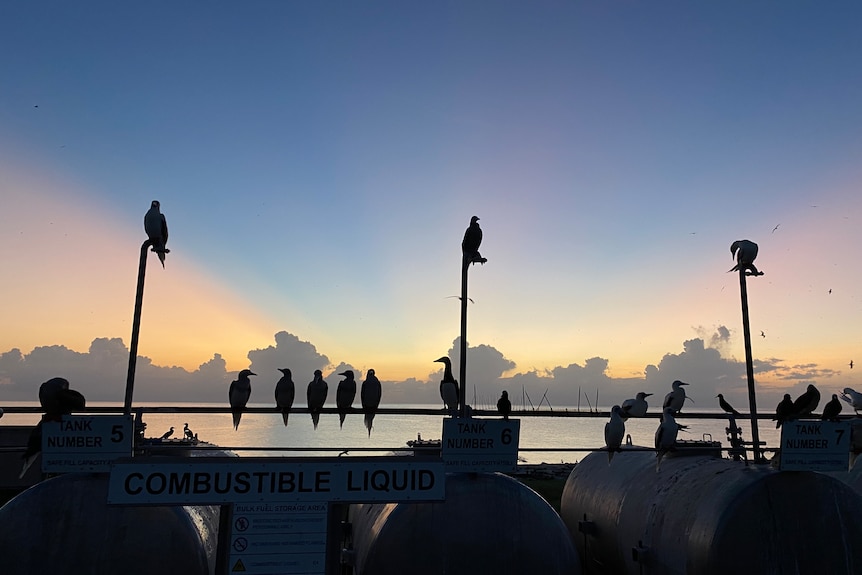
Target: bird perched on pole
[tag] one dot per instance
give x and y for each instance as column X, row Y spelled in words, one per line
column 57, row 400
column 745, row 252
column 726, row 406
column 285, row 392
column 449, row 392
column 471, row 242
column 636, row 407
column 157, row 230
column 854, row 398
column 665, row 435
column 615, row 430
column 345, row 394
column 370, row 395
column 316, row 395
column 784, row 411
column 831, row 409
column 504, row 405
column 676, row 398
column 806, row 403
column 238, row 394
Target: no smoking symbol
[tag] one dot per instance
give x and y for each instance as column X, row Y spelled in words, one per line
column 241, row 524
column 240, row 544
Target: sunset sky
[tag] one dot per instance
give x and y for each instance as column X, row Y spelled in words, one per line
column 318, row 164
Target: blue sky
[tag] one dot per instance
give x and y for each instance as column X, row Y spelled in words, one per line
column 318, row 164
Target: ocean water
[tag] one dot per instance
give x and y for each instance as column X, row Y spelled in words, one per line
column 542, row 438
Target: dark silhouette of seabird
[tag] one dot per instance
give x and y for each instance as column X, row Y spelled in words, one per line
column 504, row 406
column 676, row 398
column 806, row 403
column 238, row 394
column 853, row 397
column 157, row 230
column 285, row 393
column 762, row 334
column 851, row 364
column 665, row 435
column 726, row 406
column 831, row 409
column 344, row 395
column 167, row 434
column 615, row 431
column 187, row 433
column 784, row 411
column 316, row 396
column 636, row 407
column 370, row 395
column 57, row 400
column 471, row 242
column 449, row 392
column 745, row 252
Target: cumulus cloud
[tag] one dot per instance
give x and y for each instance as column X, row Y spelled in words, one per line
column 301, row 357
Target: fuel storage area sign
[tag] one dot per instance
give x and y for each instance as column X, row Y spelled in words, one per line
column 224, row 480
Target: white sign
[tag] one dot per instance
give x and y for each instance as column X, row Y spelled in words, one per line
column 480, row 444
column 218, row 480
column 278, row 538
column 815, row 446
column 85, row 442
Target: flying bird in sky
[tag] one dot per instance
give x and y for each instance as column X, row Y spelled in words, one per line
column 345, row 394
column 285, row 392
column 726, row 406
column 504, row 405
column 316, row 396
column 745, row 252
column 851, row 364
column 449, row 392
column 471, row 242
column 675, row 398
column 238, row 394
column 157, row 230
column 370, row 396
column 615, row 430
column 636, row 407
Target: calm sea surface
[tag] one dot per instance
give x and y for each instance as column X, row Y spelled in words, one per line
column 558, row 439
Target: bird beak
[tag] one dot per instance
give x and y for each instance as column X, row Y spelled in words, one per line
column 647, row 394
column 683, row 383
column 252, row 373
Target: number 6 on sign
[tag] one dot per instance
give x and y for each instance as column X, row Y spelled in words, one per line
column 480, row 444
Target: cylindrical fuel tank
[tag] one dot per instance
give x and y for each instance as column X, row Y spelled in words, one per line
column 488, row 523
column 64, row 525
column 706, row 515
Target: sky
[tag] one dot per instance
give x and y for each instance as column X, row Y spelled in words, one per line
column 318, row 163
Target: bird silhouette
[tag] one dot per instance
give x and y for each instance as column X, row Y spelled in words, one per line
column 345, row 394
column 853, row 397
column 157, row 230
column 615, row 430
column 471, row 242
column 285, row 392
column 745, row 252
column 726, row 406
column 449, row 391
column 238, row 394
column 636, row 407
column 167, row 434
column 851, row 364
column 57, row 400
column 316, row 396
column 187, row 433
column 784, row 410
column 370, row 395
column 504, row 406
column 831, row 409
column 806, row 403
column 665, row 435
column 675, row 398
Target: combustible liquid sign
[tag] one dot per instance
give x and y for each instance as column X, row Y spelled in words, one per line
column 284, row 538
column 85, row 443
column 480, row 444
column 815, row 446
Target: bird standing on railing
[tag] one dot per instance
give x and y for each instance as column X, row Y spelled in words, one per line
column 504, row 405
column 636, row 407
column 665, row 435
column 471, row 242
column 187, row 433
column 806, row 403
column 449, row 392
column 344, row 395
column 167, row 434
column 831, row 409
column 238, row 395
column 676, row 398
column 316, row 396
column 784, row 411
column 370, row 396
column 56, row 400
column 157, row 230
column 285, row 392
column 615, row 431
column 726, row 406
column 853, row 397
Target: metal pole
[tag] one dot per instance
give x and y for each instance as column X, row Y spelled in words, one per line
column 462, row 360
column 749, row 366
column 136, row 327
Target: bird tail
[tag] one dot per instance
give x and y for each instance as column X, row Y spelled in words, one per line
column 161, row 254
column 315, row 419
column 610, row 455
column 658, row 456
column 236, row 417
column 369, row 419
column 341, row 417
column 284, row 414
